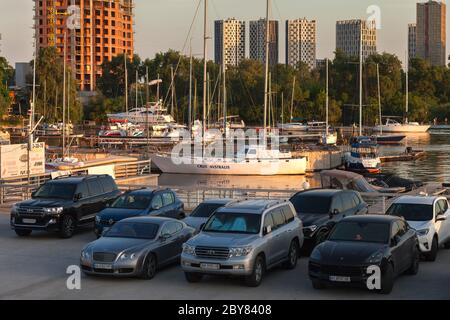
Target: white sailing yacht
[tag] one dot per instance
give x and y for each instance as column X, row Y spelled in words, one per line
column 251, row 160
column 393, row 126
column 363, row 156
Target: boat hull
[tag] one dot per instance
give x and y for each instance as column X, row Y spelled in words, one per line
column 402, row 128
column 390, row 139
column 362, row 165
column 295, row 166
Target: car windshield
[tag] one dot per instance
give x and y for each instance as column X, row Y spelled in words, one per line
column 132, row 201
column 304, row 203
column 234, row 223
column 411, row 212
column 56, row 190
column 205, row 210
column 361, row 232
column 133, row 230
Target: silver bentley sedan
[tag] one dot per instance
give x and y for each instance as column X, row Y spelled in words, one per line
column 136, row 247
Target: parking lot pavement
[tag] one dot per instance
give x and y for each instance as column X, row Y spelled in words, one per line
column 35, row 268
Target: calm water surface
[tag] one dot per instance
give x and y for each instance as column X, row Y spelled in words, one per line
column 434, row 167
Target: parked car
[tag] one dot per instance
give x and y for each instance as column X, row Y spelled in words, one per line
column 142, row 202
column 63, row 204
column 200, row 215
column 430, row 217
column 357, row 242
column 136, row 247
column 246, row 239
column 320, row 209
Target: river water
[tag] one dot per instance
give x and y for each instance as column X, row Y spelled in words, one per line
column 434, row 167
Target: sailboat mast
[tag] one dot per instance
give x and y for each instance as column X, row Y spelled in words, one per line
column 126, row 81
column 266, row 76
column 292, row 99
column 172, row 92
column 205, row 67
column 360, row 78
column 379, row 99
column 137, row 97
column 224, row 72
column 190, row 89
column 407, row 93
column 64, row 98
column 326, row 99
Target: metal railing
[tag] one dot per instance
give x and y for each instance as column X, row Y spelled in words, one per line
column 19, row 189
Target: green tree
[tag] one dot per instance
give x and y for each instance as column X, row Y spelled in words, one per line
column 50, row 87
column 6, row 76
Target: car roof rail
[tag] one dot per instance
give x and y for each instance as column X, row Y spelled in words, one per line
column 273, row 203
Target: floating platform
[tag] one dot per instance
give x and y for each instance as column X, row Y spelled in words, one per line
column 407, row 156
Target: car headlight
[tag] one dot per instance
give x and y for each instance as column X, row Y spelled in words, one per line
column 127, row 256
column 188, row 249
column 56, row 210
column 85, row 255
column 240, row 252
column 423, row 232
column 14, row 209
column 315, row 255
column 311, row 228
column 375, row 258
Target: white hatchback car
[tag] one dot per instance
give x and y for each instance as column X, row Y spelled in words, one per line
column 430, row 217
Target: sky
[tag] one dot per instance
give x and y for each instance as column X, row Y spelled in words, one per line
column 164, row 24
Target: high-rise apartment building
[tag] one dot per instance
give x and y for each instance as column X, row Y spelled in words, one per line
column 348, row 37
column 431, row 32
column 229, row 40
column 412, row 38
column 105, row 30
column 301, row 42
column 258, row 41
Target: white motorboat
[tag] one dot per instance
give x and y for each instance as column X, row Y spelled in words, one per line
column 233, row 122
column 293, row 127
column 155, row 114
column 393, row 126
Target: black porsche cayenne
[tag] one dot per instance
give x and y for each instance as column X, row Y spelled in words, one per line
column 358, row 245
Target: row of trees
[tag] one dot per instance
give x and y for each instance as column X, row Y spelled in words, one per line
column 305, row 98
column 429, row 88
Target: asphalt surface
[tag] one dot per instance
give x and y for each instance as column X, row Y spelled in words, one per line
column 35, row 268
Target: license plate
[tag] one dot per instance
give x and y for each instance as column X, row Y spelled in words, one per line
column 339, row 279
column 29, row 221
column 103, row 266
column 210, row 266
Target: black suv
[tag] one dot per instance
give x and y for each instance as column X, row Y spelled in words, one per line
column 320, row 209
column 63, row 204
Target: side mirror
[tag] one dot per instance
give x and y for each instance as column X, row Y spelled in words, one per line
column 201, row 226
column 267, row 230
column 441, row 218
column 155, row 207
column 333, row 213
column 105, row 230
column 164, row 237
column 78, row 196
column 394, row 241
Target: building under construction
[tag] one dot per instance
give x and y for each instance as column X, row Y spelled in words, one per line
column 95, row 31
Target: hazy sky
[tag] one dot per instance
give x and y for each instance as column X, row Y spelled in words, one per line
column 164, row 24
